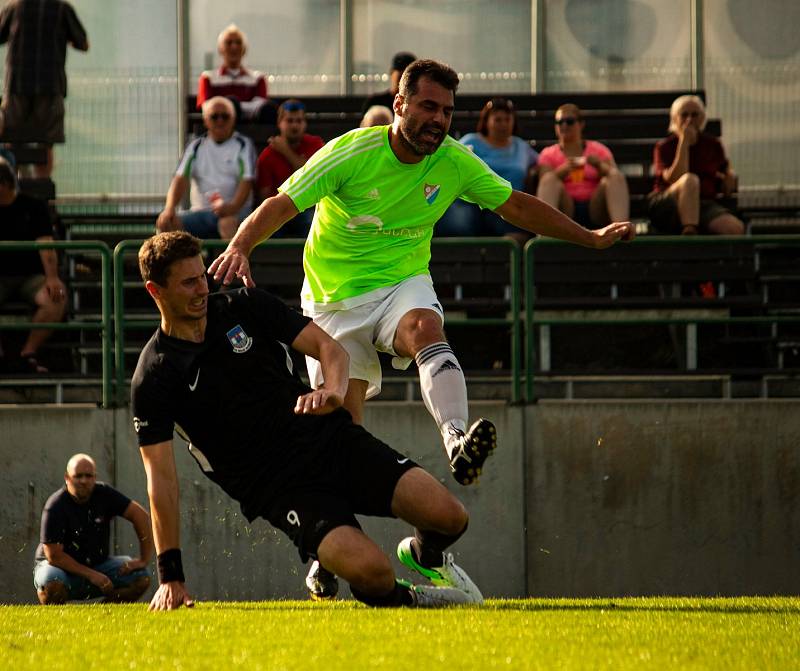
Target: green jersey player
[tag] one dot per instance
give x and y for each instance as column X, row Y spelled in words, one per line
column 379, row 191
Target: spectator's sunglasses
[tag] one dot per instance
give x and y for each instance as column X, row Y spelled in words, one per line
column 220, row 116
column 293, row 107
column 566, row 121
column 689, row 115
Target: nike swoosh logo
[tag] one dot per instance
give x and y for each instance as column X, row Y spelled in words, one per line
column 402, row 461
column 192, row 387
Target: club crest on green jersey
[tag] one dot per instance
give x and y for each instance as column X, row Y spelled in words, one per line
column 431, row 191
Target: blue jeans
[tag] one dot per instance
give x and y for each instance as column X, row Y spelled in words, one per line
column 80, row 588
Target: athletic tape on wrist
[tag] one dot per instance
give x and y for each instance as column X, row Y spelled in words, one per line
column 170, row 566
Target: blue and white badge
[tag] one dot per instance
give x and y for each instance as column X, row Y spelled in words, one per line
column 431, row 191
column 239, row 339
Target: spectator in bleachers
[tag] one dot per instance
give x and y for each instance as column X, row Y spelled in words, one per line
column 511, row 157
column 691, row 171
column 30, row 275
column 37, row 32
column 246, row 88
column 287, row 152
column 400, row 61
column 219, row 168
column 580, row 177
column 377, row 115
column 73, row 560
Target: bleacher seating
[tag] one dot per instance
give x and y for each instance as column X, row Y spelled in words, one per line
column 629, row 123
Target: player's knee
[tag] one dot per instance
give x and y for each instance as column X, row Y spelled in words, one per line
column 455, row 518
column 53, row 593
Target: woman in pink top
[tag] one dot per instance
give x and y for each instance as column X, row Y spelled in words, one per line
column 580, row 177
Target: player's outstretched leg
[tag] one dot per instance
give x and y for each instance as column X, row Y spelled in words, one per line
column 321, row 583
column 443, row 573
column 444, row 391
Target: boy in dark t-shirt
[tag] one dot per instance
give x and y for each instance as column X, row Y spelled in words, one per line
column 72, row 560
column 219, row 372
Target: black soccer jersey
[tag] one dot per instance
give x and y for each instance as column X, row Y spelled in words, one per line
column 233, row 396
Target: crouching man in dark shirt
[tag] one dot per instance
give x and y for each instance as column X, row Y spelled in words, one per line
column 218, row 370
column 72, row 560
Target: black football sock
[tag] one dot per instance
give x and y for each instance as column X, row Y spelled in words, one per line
column 429, row 546
column 399, row 596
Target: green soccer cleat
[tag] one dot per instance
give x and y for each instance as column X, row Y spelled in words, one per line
column 449, row 574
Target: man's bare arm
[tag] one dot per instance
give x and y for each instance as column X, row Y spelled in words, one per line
column 262, row 223
column 55, row 555
column 335, row 362
column 140, row 520
column 534, row 215
column 162, row 489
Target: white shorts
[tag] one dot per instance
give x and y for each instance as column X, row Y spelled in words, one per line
column 369, row 328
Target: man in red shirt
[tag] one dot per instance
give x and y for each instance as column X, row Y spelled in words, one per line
column 287, row 152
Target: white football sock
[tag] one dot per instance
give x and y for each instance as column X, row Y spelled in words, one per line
column 444, row 390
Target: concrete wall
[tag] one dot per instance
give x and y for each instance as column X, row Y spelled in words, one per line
column 582, row 498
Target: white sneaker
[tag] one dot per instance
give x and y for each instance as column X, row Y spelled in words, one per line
column 428, row 596
column 321, row 583
column 449, row 574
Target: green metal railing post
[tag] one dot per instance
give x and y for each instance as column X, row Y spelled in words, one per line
column 104, row 325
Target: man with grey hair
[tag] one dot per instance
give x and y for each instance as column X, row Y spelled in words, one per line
column 73, row 560
column 219, row 168
column 246, row 88
column 29, row 275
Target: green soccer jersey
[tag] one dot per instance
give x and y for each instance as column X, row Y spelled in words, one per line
column 375, row 215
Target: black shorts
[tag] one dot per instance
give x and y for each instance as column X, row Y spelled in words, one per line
column 361, row 479
column 662, row 209
column 35, row 118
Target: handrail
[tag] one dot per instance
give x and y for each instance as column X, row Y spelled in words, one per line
column 531, row 320
column 121, row 323
column 104, row 325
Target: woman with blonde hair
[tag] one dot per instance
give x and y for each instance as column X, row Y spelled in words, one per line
column 691, row 170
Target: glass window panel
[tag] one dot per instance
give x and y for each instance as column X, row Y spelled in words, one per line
column 121, row 107
column 295, row 43
column 616, row 45
column 488, row 42
column 752, row 75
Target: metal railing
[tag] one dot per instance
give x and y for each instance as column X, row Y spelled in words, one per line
column 513, row 320
column 104, row 325
column 690, row 321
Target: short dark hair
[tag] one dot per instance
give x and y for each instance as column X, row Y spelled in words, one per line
column 7, row 174
column 441, row 73
column 496, row 105
column 158, row 253
column 401, row 60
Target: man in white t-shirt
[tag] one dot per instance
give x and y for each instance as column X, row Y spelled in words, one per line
column 219, row 166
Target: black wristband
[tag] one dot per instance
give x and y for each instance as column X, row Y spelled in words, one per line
column 170, row 567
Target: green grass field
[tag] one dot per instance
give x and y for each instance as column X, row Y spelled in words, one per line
column 653, row 633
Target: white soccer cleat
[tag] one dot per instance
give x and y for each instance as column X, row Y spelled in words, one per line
column 428, row 596
column 321, row 583
column 449, row 574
